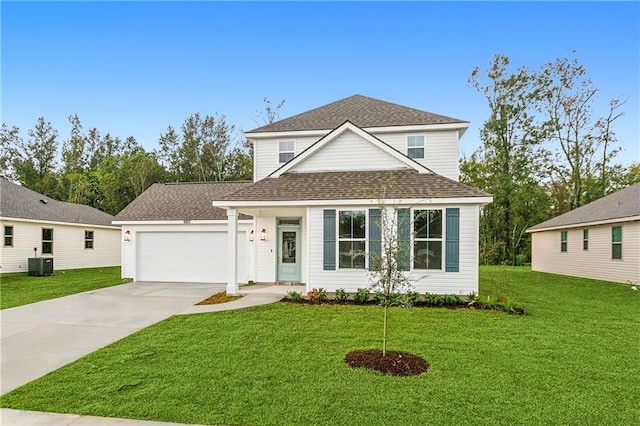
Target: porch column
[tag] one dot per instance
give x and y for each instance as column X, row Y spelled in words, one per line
column 232, row 250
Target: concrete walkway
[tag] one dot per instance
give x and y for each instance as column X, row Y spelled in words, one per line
column 42, row 337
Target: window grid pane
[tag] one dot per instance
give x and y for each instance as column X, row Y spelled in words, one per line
column 616, row 234
column 47, row 241
column 415, row 152
column 427, row 234
column 585, row 239
column 352, row 243
column 8, row 236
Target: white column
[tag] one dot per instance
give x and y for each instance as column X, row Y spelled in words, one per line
column 232, row 250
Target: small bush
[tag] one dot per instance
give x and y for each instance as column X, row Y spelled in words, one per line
column 322, row 295
column 433, row 299
column 378, row 297
column 411, row 298
column 361, row 296
column 341, row 295
column 295, row 296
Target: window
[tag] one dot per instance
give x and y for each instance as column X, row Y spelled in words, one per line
column 616, row 242
column 427, row 239
column 286, row 151
column 585, row 239
column 351, row 239
column 88, row 239
column 415, row 146
column 47, row 241
column 8, row 236
column 563, row 240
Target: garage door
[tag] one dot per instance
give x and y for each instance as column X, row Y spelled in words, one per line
column 198, row 257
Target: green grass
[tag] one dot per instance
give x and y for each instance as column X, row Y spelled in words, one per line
column 19, row 289
column 573, row 359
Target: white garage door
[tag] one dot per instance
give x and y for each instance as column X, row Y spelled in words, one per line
column 198, row 257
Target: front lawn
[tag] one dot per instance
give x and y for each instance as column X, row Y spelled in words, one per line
column 19, row 289
column 573, row 359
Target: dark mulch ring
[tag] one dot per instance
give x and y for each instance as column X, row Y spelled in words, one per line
column 394, row 363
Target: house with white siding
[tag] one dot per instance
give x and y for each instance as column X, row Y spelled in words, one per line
column 312, row 214
column 34, row 225
column 599, row 240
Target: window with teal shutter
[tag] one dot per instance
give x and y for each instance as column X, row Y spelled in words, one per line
column 375, row 238
column 404, row 239
column 329, row 252
column 452, row 245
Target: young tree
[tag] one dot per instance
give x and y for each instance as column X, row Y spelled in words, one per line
column 386, row 277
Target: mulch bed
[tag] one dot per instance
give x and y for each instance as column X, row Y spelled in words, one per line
column 219, row 298
column 394, row 363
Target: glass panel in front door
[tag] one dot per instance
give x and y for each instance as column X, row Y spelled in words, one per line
column 289, row 247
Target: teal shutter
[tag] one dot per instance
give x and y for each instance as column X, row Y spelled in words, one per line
column 404, row 239
column 375, row 238
column 329, row 256
column 452, row 250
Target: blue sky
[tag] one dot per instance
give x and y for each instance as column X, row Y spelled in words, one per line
column 134, row 68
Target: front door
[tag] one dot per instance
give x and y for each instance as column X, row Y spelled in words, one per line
column 288, row 253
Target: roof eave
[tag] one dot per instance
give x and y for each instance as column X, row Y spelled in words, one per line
column 584, row 224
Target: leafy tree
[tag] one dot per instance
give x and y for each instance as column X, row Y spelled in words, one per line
column 9, row 140
column 200, row 152
column 511, row 159
column 568, row 101
column 34, row 160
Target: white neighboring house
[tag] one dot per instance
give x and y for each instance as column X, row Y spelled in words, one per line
column 311, row 213
column 599, row 240
column 75, row 235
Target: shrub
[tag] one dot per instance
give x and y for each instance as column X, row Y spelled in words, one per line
column 295, row 296
column 411, row 298
column 433, row 299
column 378, row 297
column 361, row 296
column 322, row 295
column 341, row 295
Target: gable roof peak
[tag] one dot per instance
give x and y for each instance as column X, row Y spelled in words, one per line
column 362, row 111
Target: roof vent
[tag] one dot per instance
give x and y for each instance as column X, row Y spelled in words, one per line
column 43, row 201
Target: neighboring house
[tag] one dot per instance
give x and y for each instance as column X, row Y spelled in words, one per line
column 312, row 213
column 599, row 240
column 75, row 235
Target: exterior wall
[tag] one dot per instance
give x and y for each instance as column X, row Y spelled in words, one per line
column 441, row 152
column 68, row 246
column 265, row 153
column 129, row 248
column 593, row 263
column 463, row 282
column 266, row 252
column 349, row 152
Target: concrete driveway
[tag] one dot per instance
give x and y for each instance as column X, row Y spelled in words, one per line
column 44, row 336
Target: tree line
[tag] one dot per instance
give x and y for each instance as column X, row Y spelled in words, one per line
column 108, row 173
column 543, row 151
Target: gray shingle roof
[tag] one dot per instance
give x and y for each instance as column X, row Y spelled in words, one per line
column 180, row 201
column 353, row 185
column 621, row 204
column 361, row 111
column 22, row 203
